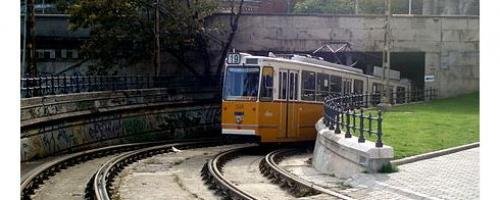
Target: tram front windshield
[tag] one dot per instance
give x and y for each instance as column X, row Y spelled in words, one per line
column 241, row 83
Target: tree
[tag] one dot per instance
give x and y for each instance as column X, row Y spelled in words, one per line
column 122, row 31
column 233, row 23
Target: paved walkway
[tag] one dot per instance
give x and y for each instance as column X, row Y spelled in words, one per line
column 453, row 176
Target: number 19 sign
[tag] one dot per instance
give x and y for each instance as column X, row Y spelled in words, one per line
column 233, row 58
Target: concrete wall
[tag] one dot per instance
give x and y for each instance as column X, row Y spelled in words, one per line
column 67, row 123
column 450, row 43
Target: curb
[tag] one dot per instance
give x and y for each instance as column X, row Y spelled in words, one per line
column 434, row 154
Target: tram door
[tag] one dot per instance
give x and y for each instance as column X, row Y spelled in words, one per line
column 289, row 108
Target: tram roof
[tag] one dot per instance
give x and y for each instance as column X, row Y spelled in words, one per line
column 333, row 66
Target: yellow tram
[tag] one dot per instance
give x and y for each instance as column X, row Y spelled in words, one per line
column 279, row 98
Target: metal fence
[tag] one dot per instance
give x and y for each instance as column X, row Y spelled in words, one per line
column 53, row 85
column 341, row 112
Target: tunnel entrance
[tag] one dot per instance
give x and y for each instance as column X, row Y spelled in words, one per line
column 410, row 64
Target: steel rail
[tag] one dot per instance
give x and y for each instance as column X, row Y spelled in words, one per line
column 213, row 176
column 297, row 186
column 100, row 184
column 34, row 178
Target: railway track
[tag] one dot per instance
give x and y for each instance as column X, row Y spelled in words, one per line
column 213, row 176
column 214, row 173
column 100, row 186
column 41, row 174
column 112, row 160
column 298, row 187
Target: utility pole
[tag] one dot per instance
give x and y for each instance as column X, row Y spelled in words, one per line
column 157, row 38
column 387, row 51
column 409, row 7
column 31, row 68
column 25, row 19
column 356, row 7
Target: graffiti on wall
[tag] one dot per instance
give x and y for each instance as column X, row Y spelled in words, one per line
column 68, row 136
column 50, row 106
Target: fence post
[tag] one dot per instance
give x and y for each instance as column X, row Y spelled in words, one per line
column 330, row 115
column 125, row 87
column 58, row 84
column 342, row 122
column 106, row 83
column 147, row 80
column 46, row 85
column 348, row 124
column 52, row 85
column 113, row 83
column 353, row 127
column 361, row 138
column 370, row 130
column 379, row 130
column 99, row 83
column 137, row 82
column 64, row 90
column 77, row 83
column 366, row 100
column 337, row 119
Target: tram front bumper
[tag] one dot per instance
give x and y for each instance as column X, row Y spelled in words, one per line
column 228, row 131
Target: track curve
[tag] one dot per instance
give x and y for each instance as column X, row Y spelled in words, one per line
column 298, row 187
column 100, row 185
column 212, row 175
column 36, row 177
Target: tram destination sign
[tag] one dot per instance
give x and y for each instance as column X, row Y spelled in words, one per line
column 233, row 58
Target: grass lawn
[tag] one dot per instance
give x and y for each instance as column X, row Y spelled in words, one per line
column 425, row 127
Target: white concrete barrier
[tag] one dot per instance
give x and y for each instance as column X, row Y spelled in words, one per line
column 343, row 157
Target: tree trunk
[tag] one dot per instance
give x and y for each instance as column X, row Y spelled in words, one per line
column 234, row 27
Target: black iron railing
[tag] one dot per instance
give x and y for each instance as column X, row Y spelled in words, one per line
column 346, row 113
column 53, row 85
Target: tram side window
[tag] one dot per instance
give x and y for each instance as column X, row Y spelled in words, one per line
column 283, row 84
column 335, row 85
column 322, row 86
column 358, row 87
column 266, row 89
column 308, row 85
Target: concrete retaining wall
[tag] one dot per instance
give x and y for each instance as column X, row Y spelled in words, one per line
column 60, row 124
column 344, row 157
column 450, row 43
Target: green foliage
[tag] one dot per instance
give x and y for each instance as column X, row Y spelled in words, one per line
column 325, row 6
column 122, row 31
column 372, row 7
column 348, row 6
column 388, row 168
